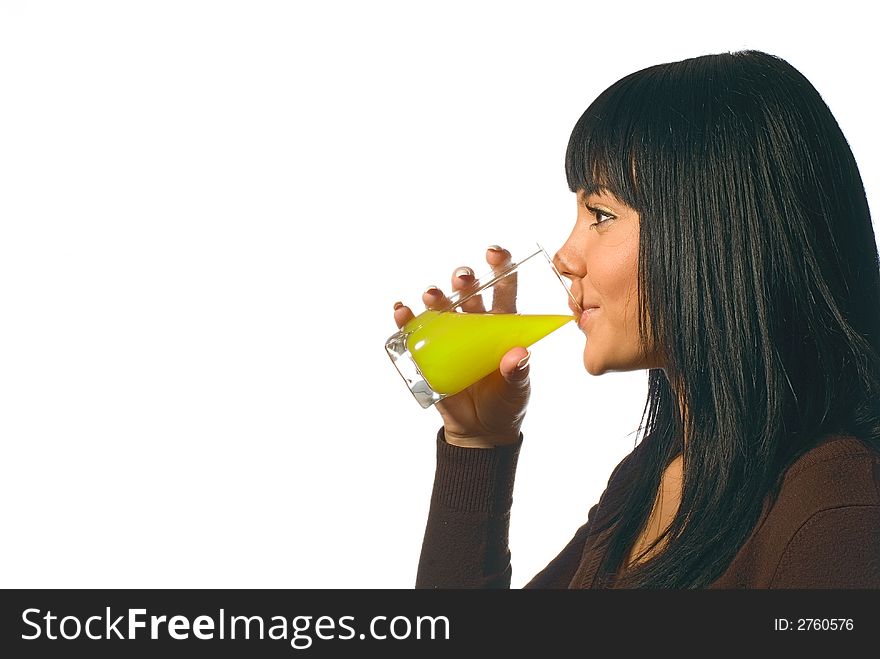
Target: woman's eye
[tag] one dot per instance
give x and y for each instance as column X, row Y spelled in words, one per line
column 601, row 216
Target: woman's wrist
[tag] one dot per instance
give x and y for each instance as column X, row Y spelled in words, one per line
column 486, row 441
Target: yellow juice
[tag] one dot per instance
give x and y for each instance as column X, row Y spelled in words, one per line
column 453, row 350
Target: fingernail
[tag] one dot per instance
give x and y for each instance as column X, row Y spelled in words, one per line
column 432, row 289
column 495, row 248
column 522, row 363
column 397, row 305
column 464, row 272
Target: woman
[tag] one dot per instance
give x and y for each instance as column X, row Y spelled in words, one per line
column 723, row 241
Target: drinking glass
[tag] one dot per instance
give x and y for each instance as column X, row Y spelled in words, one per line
column 440, row 352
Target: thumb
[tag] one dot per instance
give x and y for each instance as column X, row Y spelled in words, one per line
column 515, row 366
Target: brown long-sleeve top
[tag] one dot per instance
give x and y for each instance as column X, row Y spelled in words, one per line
column 823, row 530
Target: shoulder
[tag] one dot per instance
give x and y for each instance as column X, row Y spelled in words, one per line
column 840, row 470
column 831, row 496
column 823, row 528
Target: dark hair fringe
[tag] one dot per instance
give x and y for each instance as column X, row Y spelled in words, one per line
column 759, row 267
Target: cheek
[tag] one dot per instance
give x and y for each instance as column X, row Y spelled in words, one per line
column 615, row 278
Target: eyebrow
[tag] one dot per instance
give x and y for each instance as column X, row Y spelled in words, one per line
column 583, row 197
column 582, row 193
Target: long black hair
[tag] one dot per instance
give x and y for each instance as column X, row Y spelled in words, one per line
column 758, row 281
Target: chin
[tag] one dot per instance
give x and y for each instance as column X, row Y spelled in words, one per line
column 601, row 367
column 592, row 367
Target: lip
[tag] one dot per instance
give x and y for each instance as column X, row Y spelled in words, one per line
column 585, row 317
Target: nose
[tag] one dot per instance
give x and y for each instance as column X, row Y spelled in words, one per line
column 560, row 265
column 564, row 266
column 567, row 264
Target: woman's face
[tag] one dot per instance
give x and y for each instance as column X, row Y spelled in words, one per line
column 601, row 258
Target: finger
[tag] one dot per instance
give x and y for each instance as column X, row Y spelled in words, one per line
column 462, row 281
column 434, row 298
column 402, row 314
column 515, row 365
column 497, row 256
column 504, row 291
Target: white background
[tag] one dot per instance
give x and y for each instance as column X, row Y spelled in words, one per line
column 208, row 210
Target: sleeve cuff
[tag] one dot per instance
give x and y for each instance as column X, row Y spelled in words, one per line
column 475, row 479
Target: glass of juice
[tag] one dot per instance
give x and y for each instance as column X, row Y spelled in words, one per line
column 440, row 352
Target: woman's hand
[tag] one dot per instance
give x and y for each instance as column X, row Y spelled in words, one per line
column 490, row 412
